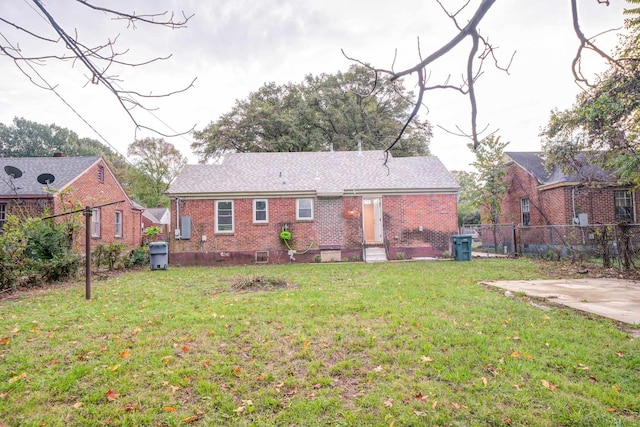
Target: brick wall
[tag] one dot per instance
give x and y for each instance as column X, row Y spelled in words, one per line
column 420, row 220
column 416, row 220
column 89, row 190
column 556, row 205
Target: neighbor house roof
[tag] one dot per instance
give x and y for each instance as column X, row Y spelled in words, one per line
column 64, row 170
column 533, row 162
column 319, row 173
column 157, row 215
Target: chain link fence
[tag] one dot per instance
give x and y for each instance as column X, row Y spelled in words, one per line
column 614, row 245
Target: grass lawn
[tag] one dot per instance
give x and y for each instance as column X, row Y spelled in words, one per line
column 395, row 344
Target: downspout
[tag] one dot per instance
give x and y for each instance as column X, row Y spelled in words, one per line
column 573, row 204
column 177, row 218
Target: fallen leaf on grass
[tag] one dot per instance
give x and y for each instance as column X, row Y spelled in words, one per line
column 115, row 367
column 112, row 395
column 548, row 385
column 135, row 331
column 190, row 419
column 378, row 368
column 515, row 354
column 131, row 407
column 455, row 405
column 4, row 340
column 206, row 363
column 18, row 377
column 619, row 354
column 484, row 381
column 185, row 349
column 426, row 359
column 125, row 354
column 388, row 403
column 4, row 395
column 434, row 404
column 239, row 410
column 169, row 409
column 583, row 367
column 77, row 405
column 616, row 388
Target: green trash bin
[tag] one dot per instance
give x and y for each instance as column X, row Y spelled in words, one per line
column 461, row 248
column 159, row 255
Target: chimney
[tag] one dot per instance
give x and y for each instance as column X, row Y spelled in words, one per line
column 59, row 154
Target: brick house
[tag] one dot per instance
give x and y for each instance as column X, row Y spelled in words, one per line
column 39, row 186
column 159, row 217
column 335, row 205
column 536, row 196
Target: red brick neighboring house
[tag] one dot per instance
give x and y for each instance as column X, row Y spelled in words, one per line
column 35, row 186
column 159, row 217
column 539, row 197
column 336, row 205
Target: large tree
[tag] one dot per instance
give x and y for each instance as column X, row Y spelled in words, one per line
column 156, row 163
column 604, row 122
column 330, row 110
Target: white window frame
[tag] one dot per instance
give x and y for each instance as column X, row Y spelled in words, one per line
column 3, row 214
column 525, row 208
column 299, row 208
column 217, row 218
column 627, row 196
column 95, row 222
column 118, row 224
column 256, row 210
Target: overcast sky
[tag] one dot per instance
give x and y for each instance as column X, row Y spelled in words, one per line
column 233, row 47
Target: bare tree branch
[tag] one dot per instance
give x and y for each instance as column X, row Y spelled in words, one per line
column 97, row 60
column 475, row 62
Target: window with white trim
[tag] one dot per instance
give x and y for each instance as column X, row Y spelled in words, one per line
column 260, row 211
column 623, row 202
column 118, row 224
column 3, row 214
column 95, row 222
column 224, row 216
column 526, row 213
column 304, row 209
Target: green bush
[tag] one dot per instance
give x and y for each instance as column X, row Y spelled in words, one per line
column 138, row 257
column 35, row 248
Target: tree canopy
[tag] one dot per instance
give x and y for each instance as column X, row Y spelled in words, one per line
column 604, row 122
column 491, row 178
column 330, row 110
column 156, row 163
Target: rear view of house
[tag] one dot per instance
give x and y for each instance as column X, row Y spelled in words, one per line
column 281, row 207
column 37, row 186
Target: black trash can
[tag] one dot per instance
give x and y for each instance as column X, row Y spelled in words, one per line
column 159, row 255
column 461, row 248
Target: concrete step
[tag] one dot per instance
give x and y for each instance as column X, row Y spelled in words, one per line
column 375, row 255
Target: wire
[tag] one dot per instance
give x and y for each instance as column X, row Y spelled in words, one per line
column 52, row 88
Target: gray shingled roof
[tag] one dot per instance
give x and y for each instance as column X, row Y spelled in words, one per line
column 533, row 162
column 319, row 172
column 64, row 169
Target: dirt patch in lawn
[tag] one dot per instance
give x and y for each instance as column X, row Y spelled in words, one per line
column 261, row 284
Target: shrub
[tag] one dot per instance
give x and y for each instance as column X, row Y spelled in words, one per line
column 138, row 257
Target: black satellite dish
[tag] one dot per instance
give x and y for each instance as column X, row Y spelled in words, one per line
column 13, row 171
column 46, row 178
